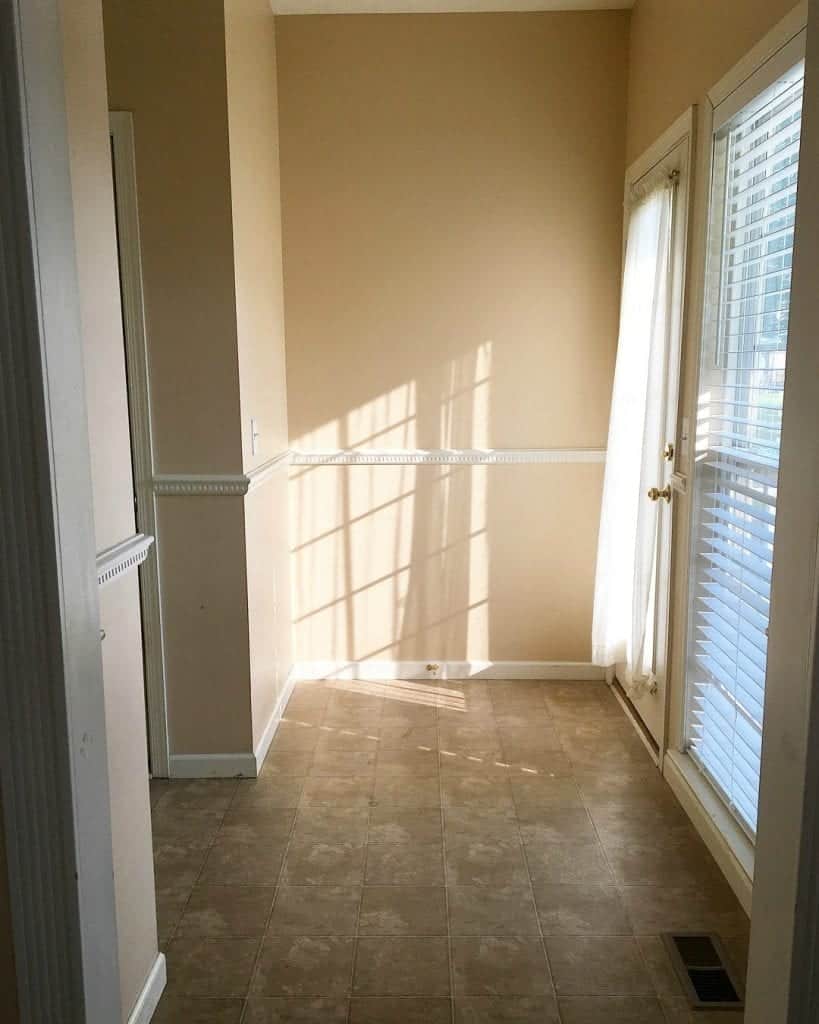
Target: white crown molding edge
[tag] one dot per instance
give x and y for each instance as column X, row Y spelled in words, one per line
column 230, row 766
column 376, row 671
column 444, row 456
column 122, row 557
column 151, row 992
column 261, row 474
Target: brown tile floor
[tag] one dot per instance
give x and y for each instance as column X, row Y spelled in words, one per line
column 435, row 852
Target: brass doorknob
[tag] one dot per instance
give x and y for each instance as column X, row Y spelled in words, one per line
column 655, row 493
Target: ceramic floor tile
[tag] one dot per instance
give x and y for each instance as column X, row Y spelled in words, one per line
column 595, row 966
column 389, row 825
column 303, row 965
column 190, row 1010
column 499, row 966
column 489, row 910
column 343, row 763
column 589, row 909
column 559, row 825
column 654, row 909
column 243, row 856
column 506, row 1010
column 495, row 862
column 332, row 824
column 400, row 1010
column 224, row 911
column 218, row 968
column 405, row 864
column 389, row 966
column 424, row 792
column 315, row 910
column 403, row 910
column 349, row 791
column 612, row 1010
column 296, row 1010
column 465, row 823
column 316, row 862
column 551, row 862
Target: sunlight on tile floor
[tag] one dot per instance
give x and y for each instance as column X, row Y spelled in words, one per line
column 473, row 852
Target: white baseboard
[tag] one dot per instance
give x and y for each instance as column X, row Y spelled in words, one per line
column 378, row 670
column 266, row 738
column 151, row 992
column 213, row 766
column 727, row 843
column 231, row 766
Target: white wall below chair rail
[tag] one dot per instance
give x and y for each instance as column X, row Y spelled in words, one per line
column 122, row 557
column 375, row 671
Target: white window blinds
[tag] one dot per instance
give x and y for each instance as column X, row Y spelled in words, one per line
column 742, row 366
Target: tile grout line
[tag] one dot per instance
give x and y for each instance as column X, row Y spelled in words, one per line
column 450, row 962
column 210, row 845
column 279, row 877
column 543, row 946
column 357, row 924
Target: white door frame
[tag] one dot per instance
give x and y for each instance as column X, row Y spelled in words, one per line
column 53, row 758
column 139, row 408
column 672, row 152
column 726, row 840
column 783, row 982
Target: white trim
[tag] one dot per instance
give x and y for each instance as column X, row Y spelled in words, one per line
column 201, row 485
column 261, row 474
column 779, row 36
column 444, row 456
column 728, row 844
column 151, row 992
column 122, row 557
column 230, row 766
column 139, row 411
column 53, row 754
column 681, row 131
column 213, row 766
column 266, row 738
column 373, row 670
column 441, row 6
column 232, row 485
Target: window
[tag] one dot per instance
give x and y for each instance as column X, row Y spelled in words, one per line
column 739, row 414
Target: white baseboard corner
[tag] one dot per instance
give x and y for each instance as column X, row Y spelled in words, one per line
column 234, row 766
column 266, row 738
column 375, row 671
column 151, row 993
column 727, row 843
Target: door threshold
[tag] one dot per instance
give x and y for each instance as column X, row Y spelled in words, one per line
column 633, row 716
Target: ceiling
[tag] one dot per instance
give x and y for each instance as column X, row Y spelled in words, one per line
column 437, row 6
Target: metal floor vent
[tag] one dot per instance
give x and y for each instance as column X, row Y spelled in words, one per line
column 704, row 971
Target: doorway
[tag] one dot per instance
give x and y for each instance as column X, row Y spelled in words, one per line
column 632, row 594
column 139, row 411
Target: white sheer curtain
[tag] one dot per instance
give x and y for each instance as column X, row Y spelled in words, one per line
column 623, row 626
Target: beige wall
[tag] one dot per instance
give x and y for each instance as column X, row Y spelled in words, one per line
column 94, row 226
column 452, row 208
column 680, row 50
column 166, row 63
column 204, row 607
column 200, row 80
column 253, row 119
